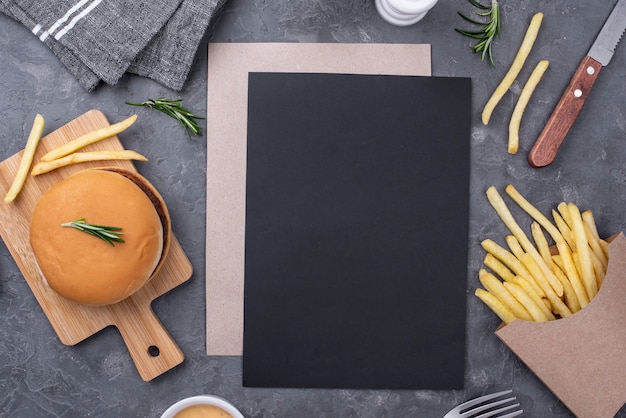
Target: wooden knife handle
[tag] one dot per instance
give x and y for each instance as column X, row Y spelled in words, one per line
column 565, row 113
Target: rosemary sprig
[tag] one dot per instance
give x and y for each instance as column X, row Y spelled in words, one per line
column 490, row 28
column 109, row 234
column 175, row 109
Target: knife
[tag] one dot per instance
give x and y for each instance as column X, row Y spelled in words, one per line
column 569, row 106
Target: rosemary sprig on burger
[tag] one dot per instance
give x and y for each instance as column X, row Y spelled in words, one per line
column 110, row 234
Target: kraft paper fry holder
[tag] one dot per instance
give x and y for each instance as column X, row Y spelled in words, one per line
column 582, row 358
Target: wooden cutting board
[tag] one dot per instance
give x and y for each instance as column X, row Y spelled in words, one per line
column 152, row 349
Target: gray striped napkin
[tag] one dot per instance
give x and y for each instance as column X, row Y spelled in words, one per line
column 100, row 40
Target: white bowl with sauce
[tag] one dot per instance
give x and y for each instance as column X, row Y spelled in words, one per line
column 202, row 406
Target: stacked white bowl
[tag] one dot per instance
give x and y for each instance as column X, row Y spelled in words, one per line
column 404, row 12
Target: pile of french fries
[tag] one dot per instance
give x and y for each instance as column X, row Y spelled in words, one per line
column 532, row 280
column 67, row 154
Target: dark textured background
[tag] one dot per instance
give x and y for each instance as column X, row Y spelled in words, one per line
column 39, row 376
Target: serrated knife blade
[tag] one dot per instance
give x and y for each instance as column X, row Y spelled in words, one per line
column 569, row 106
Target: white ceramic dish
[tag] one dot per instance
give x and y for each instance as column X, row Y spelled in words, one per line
column 201, row 400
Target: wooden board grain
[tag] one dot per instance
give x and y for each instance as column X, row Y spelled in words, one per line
column 152, row 349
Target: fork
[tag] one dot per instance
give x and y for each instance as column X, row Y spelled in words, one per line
column 487, row 406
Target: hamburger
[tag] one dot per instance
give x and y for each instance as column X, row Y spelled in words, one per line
column 79, row 266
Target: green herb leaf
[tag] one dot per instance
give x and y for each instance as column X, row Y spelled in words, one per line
column 109, row 234
column 490, row 28
column 174, row 109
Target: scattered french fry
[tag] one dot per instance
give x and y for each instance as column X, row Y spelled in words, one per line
column 578, row 260
column 27, row 159
column 81, row 157
column 522, row 102
column 89, row 138
column 516, row 66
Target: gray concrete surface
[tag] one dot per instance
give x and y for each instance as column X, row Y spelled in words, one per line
column 40, row 377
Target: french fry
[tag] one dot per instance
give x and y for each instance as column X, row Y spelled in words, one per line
column 598, row 268
column 526, row 301
column 534, row 213
column 498, row 267
column 596, row 248
column 557, row 304
column 564, row 229
column 556, row 258
column 579, row 262
column 591, row 223
column 514, row 246
column 511, row 262
column 562, row 244
column 582, row 249
column 569, row 295
column 81, row 157
column 27, row 159
column 570, row 270
column 503, row 211
column 564, row 211
column 89, row 138
column 593, row 238
column 522, row 102
column 605, row 247
column 516, row 66
column 541, row 242
column 503, row 312
column 496, row 288
column 543, row 303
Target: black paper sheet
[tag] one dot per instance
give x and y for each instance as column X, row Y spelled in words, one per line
column 356, row 231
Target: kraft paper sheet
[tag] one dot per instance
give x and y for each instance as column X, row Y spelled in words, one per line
column 228, row 68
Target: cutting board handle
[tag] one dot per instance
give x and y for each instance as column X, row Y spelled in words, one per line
column 152, row 349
